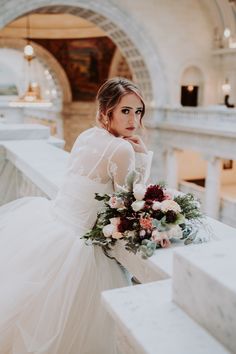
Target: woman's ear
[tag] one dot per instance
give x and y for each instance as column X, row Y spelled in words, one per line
column 105, row 119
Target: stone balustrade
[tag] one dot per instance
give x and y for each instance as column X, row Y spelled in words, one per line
column 212, row 117
column 227, row 210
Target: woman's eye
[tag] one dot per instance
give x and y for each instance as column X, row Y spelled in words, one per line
column 139, row 111
column 125, row 111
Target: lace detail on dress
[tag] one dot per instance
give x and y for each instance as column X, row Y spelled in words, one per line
column 97, row 179
column 112, row 169
column 143, row 164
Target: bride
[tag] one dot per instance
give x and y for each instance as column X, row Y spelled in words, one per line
column 51, row 282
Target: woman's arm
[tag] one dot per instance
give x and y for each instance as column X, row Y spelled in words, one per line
column 143, row 157
column 128, row 157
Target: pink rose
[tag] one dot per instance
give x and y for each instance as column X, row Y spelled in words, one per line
column 116, row 203
column 168, row 196
column 115, row 221
column 160, row 238
column 170, row 205
column 117, row 235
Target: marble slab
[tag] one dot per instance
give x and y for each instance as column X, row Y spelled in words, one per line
column 23, row 132
column 148, row 322
column 160, row 265
column 42, row 163
column 204, row 286
column 60, row 143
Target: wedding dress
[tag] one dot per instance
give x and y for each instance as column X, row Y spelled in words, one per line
column 51, row 282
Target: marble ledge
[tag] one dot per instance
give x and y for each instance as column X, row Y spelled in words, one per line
column 23, row 132
column 160, row 265
column 198, row 128
column 42, row 163
column 148, row 322
column 204, row 286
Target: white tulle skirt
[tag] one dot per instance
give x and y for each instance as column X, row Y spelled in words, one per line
column 50, row 285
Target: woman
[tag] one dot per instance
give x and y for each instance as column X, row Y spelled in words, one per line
column 51, row 281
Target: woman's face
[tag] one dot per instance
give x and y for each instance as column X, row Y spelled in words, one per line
column 126, row 116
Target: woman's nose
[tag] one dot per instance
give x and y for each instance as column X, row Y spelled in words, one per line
column 131, row 117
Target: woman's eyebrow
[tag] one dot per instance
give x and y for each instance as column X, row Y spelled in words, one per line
column 131, row 107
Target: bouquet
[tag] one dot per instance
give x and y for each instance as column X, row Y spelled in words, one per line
column 144, row 217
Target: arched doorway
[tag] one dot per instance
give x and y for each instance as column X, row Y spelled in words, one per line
column 124, row 31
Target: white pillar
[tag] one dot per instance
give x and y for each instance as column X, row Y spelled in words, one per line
column 60, row 125
column 212, row 186
column 172, row 168
column 159, row 163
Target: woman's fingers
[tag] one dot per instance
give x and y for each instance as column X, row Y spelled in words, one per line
column 137, row 143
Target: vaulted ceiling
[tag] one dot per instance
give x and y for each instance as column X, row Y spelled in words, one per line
column 52, row 26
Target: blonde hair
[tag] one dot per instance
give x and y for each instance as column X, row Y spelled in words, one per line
column 110, row 94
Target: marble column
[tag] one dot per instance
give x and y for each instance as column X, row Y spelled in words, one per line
column 172, row 168
column 212, row 186
column 158, row 171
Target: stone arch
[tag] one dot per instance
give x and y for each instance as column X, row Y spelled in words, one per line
column 56, row 70
column 135, row 44
column 117, row 64
column 192, row 75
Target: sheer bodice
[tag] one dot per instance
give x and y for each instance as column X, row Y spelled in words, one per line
column 99, row 162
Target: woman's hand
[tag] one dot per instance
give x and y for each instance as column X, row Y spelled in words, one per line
column 137, row 144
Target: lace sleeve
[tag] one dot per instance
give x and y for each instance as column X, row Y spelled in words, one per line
column 121, row 163
column 143, row 164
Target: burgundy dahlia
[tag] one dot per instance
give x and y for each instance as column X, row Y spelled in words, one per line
column 125, row 224
column 171, row 216
column 154, row 192
column 158, row 214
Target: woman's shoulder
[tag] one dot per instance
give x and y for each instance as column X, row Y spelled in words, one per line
column 101, row 137
column 122, row 149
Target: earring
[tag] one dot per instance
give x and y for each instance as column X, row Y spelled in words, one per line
column 106, row 123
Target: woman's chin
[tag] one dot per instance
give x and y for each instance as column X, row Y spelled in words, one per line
column 129, row 133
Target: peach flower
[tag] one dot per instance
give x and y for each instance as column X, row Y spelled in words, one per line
column 146, row 223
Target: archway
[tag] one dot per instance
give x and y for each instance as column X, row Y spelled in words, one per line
column 135, row 45
column 50, row 63
column 192, row 78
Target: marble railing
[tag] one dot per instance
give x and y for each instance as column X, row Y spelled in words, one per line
column 211, row 117
column 227, row 205
column 49, row 116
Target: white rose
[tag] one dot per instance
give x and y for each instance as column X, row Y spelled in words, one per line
column 175, row 231
column 108, row 230
column 170, row 205
column 156, row 206
column 138, row 205
column 139, row 191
